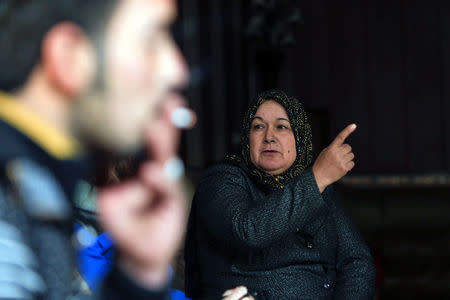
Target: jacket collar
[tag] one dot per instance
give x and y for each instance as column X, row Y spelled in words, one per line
column 53, row 141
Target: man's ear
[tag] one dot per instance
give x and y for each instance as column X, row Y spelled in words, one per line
column 68, row 58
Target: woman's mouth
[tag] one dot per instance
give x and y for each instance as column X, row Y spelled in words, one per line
column 270, row 151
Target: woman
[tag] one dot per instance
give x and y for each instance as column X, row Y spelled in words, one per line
column 267, row 220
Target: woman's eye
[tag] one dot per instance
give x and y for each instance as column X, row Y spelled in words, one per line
column 282, row 127
column 257, row 126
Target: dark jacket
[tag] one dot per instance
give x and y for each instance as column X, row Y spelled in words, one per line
column 291, row 243
column 39, row 172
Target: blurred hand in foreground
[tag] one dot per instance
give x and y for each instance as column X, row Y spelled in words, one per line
column 146, row 215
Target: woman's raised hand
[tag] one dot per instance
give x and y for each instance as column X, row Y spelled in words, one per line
column 334, row 161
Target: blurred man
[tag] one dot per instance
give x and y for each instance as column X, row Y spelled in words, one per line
column 80, row 75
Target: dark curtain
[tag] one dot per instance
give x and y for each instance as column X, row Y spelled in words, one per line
column 385, row 66
column 382, row 64
column 211, row 35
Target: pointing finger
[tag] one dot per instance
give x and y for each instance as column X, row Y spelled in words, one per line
column 340, row 139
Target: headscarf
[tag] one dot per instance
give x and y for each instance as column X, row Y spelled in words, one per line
column 302, row 133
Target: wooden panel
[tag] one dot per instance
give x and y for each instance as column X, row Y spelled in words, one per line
column 295, row 77
column 319, row 55
column 219, row 137
column 306, row 69
column 236, row 73
column 382, row 64
column 193, row 142
column 386, row 92
column 445, row 80
column 348, row 77
column 423, row 85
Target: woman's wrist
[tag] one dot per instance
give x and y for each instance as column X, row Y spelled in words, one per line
column 319, row 179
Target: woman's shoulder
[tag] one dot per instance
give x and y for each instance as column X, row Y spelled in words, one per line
column 220, row 179
column 224, row 170
column 223, row 175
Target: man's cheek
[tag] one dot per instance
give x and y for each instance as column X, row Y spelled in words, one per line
column 137, row 72
column 131, row 70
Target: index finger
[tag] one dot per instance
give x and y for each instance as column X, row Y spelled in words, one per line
column 340, row 138
column 162, row 135
column 162, row 141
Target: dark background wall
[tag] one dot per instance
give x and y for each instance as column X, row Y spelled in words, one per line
column 384, row 65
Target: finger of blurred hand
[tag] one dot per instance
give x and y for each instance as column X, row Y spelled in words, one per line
column 132, row 194
column 162, row 135
column 343, row 135
column 152, row 174
column 117, row 204
column 146, row 218
column 173, row 169
column 236, row 293
column 171, row 105
column 162, row 140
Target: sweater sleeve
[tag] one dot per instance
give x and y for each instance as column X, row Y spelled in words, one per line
column 233, row 211
column 117, row 285
column 355, row 268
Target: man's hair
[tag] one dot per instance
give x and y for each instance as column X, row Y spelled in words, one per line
column 24, row 23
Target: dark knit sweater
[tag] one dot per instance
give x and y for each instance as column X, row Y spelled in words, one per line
column 290, row 243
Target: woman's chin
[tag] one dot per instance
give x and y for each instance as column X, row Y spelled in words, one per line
column 272, row 169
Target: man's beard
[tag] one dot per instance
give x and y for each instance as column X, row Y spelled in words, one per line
column 112, row 160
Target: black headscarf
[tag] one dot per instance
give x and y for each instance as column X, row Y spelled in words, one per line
column 302, row 133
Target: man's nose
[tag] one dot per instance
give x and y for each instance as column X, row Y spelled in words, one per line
column 175, row 68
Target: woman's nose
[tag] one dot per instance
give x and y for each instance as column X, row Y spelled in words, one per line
column 269, row 137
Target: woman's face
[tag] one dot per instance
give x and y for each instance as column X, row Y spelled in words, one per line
column 272, row 142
